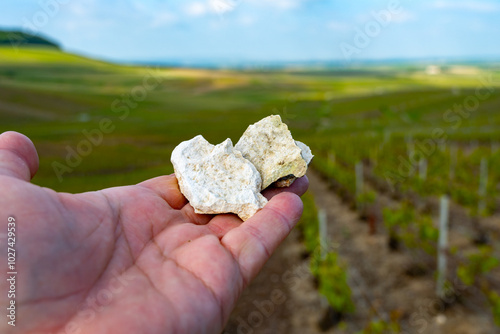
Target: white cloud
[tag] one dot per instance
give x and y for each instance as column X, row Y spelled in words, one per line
column 81, row 9
column 278, row 4
column 157, row 16
column 286, row 4
column 83, row 17
column 87, row 27
column 476, row 6
column 223, row 6
column 196, row 8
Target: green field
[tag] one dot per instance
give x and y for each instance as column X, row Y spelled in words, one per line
column 98, row 125
column 52, row 97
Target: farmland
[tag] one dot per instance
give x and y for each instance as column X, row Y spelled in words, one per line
column 414, row 137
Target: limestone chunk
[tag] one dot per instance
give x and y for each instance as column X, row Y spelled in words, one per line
column 217, row 179
column 305, row 152
column 269, row 145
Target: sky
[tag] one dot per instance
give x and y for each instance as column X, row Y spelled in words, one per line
column 263, row 30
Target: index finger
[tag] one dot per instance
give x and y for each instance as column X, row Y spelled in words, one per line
column 253, row 242
column 167, row 188
column 298, row 187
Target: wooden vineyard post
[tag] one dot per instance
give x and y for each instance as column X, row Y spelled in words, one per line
column 385, row 140
column 453, row 161
column 323, row 233
column 442, row 246
column 410, row 146
column 374, row 157
column 483, row 185
column 359, row 183
column 442, row 146
column 422, row 169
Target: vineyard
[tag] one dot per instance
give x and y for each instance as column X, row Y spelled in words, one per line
column 401, row 226
column 401, row 185
column 425, row 187
column 408, row 212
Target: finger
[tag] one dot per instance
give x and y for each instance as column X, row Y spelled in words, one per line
column 256, row 239
column 298, row 187
column 220, row 225
column 18, row 156
column 167, row 188
column 193, row 217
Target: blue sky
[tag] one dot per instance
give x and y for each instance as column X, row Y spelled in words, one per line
column 266, row 30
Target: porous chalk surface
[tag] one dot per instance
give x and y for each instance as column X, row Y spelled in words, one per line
column 306, row 154
column 269, row 145
column 217, row 179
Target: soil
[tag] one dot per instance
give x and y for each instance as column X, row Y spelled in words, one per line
column 385, row 284
column 282, row 298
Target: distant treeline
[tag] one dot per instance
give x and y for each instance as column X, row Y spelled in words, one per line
column 19, row 39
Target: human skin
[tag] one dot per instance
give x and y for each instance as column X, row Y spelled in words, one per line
column 133, row 259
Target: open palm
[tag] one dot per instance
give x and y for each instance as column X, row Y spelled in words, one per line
column 133, row 259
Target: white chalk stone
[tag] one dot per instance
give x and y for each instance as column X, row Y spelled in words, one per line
column 269, row 145
column 217, row 179
column 305, row 152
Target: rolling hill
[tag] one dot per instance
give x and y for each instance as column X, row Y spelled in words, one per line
column 18, row 38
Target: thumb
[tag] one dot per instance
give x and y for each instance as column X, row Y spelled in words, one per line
column 18, row 156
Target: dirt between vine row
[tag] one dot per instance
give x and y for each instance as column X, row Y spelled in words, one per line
column 283, row 297
column 393, row 283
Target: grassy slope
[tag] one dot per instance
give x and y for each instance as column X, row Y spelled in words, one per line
column 18, row 38
column 52, row 97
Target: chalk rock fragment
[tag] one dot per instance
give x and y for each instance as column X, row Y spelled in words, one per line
column 305, row 151
column 306, row 154
column 217, row 179
column 269, row 146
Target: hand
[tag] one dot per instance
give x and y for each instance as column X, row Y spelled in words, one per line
column 133, row 259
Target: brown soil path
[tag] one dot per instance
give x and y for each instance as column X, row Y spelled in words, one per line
column 281, row 299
